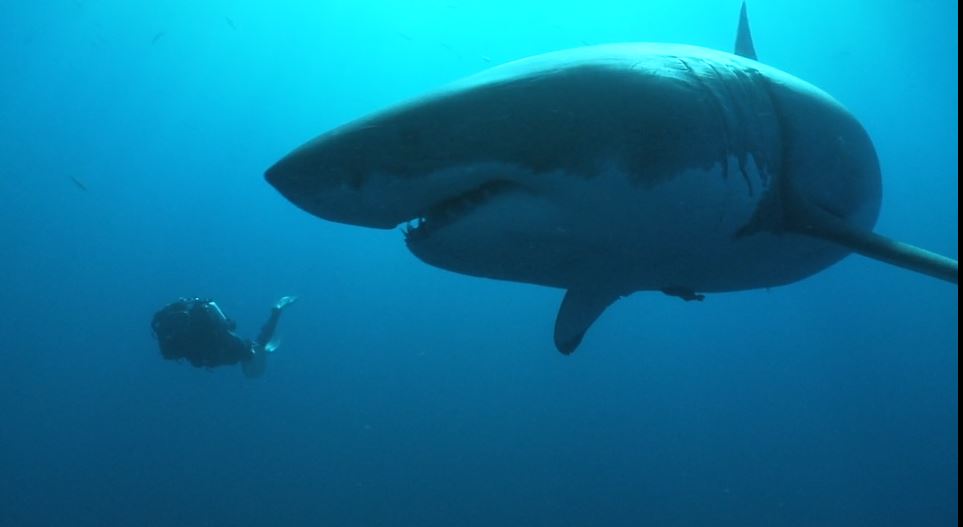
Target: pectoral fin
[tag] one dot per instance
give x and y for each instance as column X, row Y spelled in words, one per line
column 805, row 218
column 579, row 310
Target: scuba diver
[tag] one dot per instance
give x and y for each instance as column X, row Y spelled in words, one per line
column 197, row 330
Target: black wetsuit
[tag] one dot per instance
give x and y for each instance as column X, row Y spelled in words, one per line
column 198, row 331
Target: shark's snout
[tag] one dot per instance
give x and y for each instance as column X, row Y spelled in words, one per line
column 328, row 181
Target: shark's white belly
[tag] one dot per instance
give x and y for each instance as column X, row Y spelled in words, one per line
column 609, row 231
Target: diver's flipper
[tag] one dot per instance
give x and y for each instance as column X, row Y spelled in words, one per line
column 272, row 345
column 256, row 365
column 285, row 301
column 579, row 310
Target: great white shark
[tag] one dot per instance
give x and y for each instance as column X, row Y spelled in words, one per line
column 611, row 169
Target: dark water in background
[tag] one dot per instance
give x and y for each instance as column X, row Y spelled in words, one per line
column 407, row 395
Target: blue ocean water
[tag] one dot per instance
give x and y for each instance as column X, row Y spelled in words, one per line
column 133, row 140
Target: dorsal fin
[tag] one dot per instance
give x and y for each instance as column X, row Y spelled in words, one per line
column 744, row 47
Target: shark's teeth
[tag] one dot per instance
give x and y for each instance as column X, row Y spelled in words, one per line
column 412, row 227
column 450, row 209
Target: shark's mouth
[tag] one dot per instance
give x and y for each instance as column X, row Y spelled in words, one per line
column 450, row 210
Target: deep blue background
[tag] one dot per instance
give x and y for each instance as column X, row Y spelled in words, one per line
column 404, row 394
